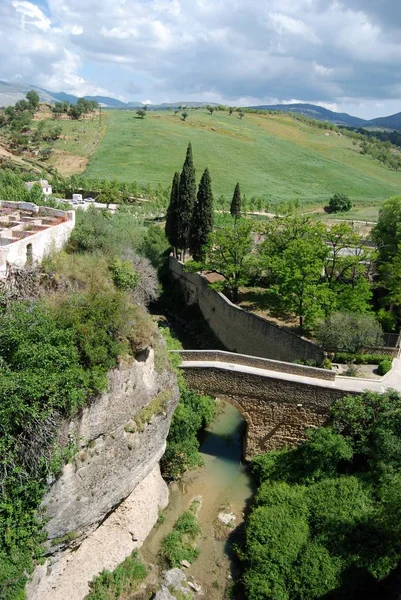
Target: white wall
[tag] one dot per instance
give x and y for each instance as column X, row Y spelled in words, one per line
column 42, row 242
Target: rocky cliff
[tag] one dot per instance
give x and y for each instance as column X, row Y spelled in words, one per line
column 106, row 499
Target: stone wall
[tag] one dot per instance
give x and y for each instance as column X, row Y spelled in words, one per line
column 277, row 411
column 239, row 330
column 252, row 361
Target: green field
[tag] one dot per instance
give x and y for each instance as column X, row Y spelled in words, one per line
column 272, row 156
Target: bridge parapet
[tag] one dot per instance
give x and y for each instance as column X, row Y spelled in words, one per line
column 255, row 361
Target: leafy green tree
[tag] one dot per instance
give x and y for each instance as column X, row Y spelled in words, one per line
column 235, row 208
column 349, row 332
column 202, row 219
column 36, row 194
column 186, row 202
column 340, row 203
column 228, row 254
column 387, row 233
column 141, row 113
column 171, row 227
column 21, row 106
column 297, row 277
column 75, row 112
column 184, row 115
column 33, row 99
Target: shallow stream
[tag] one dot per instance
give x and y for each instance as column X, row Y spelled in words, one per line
column 224, row 485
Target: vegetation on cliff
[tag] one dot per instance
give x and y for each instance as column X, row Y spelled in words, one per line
column 56, row 349
column 325, row 520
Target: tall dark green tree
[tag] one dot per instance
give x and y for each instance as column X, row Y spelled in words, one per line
column 235, row 208
column 171, row 218
column 187, row 198
column 202, row 219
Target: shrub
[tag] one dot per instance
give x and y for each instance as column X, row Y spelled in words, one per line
column 340, row 203
column 155, row 246
column 360, row 359
column 179, row 544
column 100, row 231
column 123, row 580
column 326, row 364
column 192, row 414
column 349, row 331
column 123, row 274
column 384, row 366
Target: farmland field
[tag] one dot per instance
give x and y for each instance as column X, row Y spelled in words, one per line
column 276, row 157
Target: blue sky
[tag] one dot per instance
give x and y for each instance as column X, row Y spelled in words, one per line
column 343, row 54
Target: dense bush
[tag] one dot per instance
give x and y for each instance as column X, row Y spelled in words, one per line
column 385, row 366
column 179, row 545
column 155, row 246
column 345, row 358
column 192, row 414
column 326, row 517
column 100, row 231
column 349, row 331
column 340, row 203
column 42, row 377
column 122, row 581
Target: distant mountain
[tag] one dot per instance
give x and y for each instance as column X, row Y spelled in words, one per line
column 317, row 112
column 391, row 122
column 62, row 97
column 10, row 93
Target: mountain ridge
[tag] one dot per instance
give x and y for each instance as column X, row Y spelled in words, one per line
column 11, row 93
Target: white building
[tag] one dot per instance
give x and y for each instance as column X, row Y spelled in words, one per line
column 29, row 232
column 44, row 184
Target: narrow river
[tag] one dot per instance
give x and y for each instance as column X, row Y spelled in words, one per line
column 224, row 486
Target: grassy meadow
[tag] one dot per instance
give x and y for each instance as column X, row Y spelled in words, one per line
column 272, row 156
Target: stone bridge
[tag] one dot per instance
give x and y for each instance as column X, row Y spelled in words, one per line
column 278, row 400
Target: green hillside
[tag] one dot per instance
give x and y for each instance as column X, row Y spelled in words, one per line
column 273, row 156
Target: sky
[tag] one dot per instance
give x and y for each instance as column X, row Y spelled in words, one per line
column 342, row 54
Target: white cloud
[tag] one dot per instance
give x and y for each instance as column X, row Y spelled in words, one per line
column 217, row 50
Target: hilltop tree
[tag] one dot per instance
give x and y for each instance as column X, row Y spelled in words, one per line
column 210, row 109
column 187, row 198
column 241, row 114
column 184, row 115
column 235, row 208
column 33, row 99
column 171, row 217
column 202, row 219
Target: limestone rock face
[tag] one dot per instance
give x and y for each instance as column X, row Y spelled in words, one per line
column 116, row 451
column 106, row 500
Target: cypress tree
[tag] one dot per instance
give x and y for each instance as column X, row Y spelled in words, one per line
column 186, row 202
column 202, row 220
column 171, row 217
column 235, row 208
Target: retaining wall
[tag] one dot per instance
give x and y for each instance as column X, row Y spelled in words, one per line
column 239, row 330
